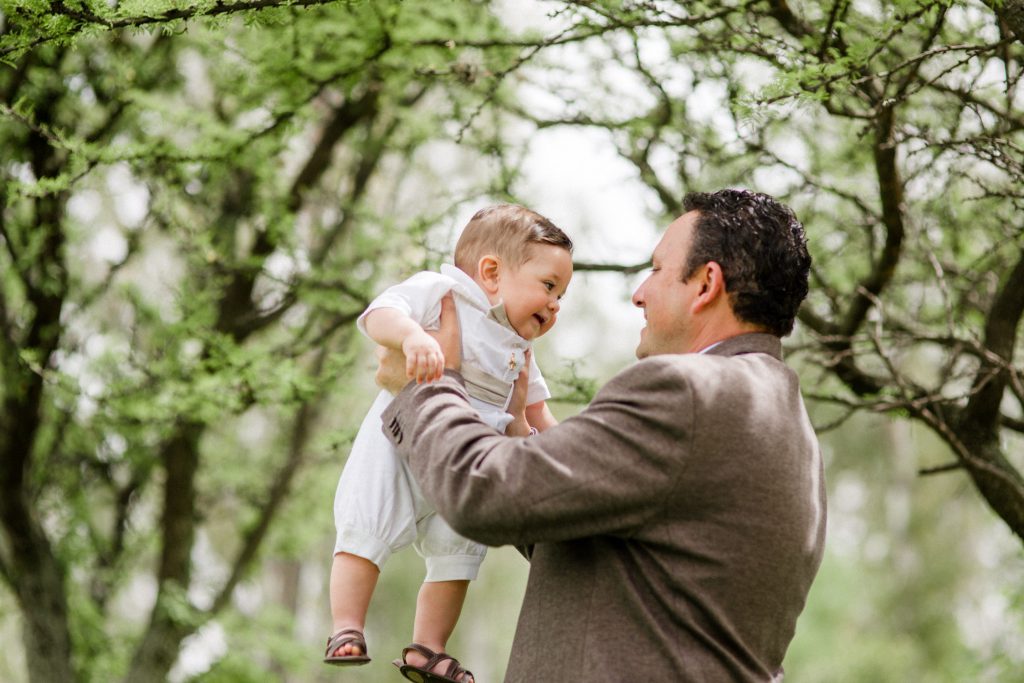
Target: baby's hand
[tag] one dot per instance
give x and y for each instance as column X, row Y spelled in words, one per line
column 424, row 361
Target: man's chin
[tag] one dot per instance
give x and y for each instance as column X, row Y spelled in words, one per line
column 641, row 347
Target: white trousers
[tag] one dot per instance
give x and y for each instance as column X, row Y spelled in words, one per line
column 379, row 509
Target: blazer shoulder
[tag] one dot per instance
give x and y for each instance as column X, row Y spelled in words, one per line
column 668, row 367
column 676, row 372
column 654, row 375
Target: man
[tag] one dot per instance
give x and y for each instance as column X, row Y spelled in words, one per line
column 677, row 523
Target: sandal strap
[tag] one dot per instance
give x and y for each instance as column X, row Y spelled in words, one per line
column 454, row 669
column 421, row 649
column 346, row 636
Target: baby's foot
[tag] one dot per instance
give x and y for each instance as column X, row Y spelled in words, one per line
column 346, row 646
column 419, row 656
column 348, row 650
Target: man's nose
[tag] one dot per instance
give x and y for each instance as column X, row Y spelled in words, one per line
column 638, row 297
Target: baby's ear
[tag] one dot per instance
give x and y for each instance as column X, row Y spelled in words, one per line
column 488, row 270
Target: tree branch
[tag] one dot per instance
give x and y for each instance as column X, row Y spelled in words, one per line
column 941, row 469
column 343, row 119
column 83, row 19
column 581, row 266
column 168, row 621
column 276, row 495
column 913, row 72
column 18, row 264
column 1000, row 338
column 891, row 194
column 1011, row 13
column 1012, row 423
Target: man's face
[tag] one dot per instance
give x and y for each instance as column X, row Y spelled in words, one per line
column 532, row 291
column 664, row 297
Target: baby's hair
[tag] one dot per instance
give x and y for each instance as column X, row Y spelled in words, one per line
column 507, row 231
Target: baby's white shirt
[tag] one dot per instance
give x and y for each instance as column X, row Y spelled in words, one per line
column 488, row 346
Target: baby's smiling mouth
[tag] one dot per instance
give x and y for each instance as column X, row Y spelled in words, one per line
column 540, row 319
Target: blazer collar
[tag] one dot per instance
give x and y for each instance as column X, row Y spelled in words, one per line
column 754, row 342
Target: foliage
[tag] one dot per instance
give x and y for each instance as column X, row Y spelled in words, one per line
column 897, row 133
column 197, row 199
column 195, row 204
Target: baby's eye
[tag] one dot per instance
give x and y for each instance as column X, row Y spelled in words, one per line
column 549, row 285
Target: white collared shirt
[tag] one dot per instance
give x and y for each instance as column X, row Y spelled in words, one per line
column 487, row 345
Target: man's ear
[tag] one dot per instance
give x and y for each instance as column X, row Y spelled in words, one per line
column 488, row 268
column 711, row 282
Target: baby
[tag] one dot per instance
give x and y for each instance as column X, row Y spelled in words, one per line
column 512, row 267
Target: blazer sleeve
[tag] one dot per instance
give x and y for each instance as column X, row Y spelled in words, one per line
column 607, row 470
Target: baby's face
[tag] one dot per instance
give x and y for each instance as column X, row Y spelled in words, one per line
column 532, row 291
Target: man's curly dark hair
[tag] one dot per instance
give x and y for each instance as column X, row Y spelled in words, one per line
column 762, row 249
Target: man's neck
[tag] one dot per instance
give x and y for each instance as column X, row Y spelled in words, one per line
column 712, row 336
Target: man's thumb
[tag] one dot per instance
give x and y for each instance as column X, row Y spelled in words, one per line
column 449, row 335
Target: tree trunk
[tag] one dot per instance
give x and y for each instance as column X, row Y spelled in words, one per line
column 170, row 619
column 999, row 483
column 1011, row 13
column 38, row 585
column 30, row 567
column 29, row 564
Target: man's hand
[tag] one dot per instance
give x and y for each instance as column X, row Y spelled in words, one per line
column 391, row 374
column 392, row 366
column 449, row 336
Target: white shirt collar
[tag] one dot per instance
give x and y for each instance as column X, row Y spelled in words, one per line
column 708, row 348
column 472, row 289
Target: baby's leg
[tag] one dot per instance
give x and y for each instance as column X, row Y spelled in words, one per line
column 438, row 607
column 353, row 579
column 452, row 562
column 374, row 516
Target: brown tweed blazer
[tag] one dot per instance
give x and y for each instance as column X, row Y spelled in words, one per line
column 677, row 522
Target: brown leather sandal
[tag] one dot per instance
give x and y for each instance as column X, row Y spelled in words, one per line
column 453, row 674
column 346, row 636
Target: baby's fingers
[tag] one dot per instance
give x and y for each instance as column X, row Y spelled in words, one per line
column 432, row 367
column 420, row 368
column 438, row 366
column 426, row 367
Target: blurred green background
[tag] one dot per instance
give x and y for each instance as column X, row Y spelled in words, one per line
column 198, row 199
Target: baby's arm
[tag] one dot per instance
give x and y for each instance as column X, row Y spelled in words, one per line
column 527, row 417
column 392, row 328
column 535, row 416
